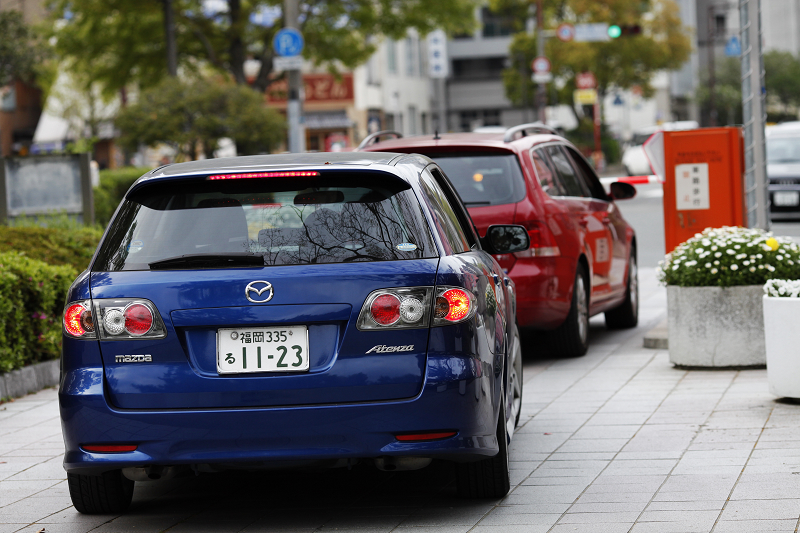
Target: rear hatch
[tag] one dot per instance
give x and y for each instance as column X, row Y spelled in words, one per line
column 259, row 283
column 490, row 183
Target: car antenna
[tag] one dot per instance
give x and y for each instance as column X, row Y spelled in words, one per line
column 436, row 135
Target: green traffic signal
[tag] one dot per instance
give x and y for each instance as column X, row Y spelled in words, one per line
column 614, row 31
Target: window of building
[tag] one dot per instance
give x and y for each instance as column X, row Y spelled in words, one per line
column 496, row 24
column 478, row 68
column 411, row 56
column 391, row 56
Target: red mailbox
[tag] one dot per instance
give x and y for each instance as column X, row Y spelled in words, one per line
column 702, row 171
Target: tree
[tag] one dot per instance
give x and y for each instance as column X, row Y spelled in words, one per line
column 192, row 116
column 782, row 78
column 727, row 91
column 19, row 48
column 627, row 61
column 123, row 41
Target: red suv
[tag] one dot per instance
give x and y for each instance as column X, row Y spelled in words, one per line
column 582, row 258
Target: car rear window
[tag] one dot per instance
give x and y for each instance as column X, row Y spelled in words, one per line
column 484, row 179
column 286, row 221
column 783, row 149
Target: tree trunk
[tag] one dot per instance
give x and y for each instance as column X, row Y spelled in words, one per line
column 236, row 46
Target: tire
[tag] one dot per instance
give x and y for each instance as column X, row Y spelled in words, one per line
column 490, row 477
column 108, row 493
column 627, row 314
column 571, row 339
column 514, row 386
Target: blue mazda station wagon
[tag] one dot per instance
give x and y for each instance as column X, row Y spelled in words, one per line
column 311, row 310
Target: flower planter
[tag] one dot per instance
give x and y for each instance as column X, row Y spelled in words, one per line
column 716, row 327
column 782, row 339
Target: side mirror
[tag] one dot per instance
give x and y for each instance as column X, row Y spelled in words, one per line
column 505, row 239
column 622, row 191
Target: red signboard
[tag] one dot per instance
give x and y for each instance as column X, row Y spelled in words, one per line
column 319, row 88
column 585, row 80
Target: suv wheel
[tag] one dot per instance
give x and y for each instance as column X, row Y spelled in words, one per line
column 627, row 314
column 490, row 477
column 571, row 338
column 107, row 493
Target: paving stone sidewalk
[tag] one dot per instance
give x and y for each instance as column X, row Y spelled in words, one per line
column 615, row 441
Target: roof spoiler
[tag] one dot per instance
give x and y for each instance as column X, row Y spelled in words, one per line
column 525, row 129
column 375, row 137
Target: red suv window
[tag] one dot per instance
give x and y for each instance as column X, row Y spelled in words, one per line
column 483, row 179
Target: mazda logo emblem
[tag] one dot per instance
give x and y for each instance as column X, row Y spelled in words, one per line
column 257, row 289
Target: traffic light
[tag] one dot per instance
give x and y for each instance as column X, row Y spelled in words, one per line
column 615, row 30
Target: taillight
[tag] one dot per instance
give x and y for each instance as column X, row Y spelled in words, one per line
column 138, row 319
column 400, row 307
column 78, row 320
column 128, row 318
column 543, row 242
column 427, row 436
column 453, row 305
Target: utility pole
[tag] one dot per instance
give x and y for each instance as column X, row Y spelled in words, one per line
column 756, row 190
column 541, row 93
column 294, row 106
column 169, row 33
column 711, row 42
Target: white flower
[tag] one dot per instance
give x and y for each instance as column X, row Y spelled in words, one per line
column 734, row 267
column 760, row 267
column 730, row 252
column 770, row 268
column 714, row 270
column 718, row 254
column 752, row 269
column 745, row 263
column 759, row 256
column 779, row 257
column 741, row 256
column 737, row 246
column 700, row 250
column 716, row 263
column 713, row 248
column 706, row 242
column 708, row 265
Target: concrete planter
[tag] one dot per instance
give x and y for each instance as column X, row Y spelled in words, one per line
column 782, row 338
column 716, row 327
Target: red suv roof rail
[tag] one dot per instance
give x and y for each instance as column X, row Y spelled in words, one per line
column 533, row 127
column 375, row 137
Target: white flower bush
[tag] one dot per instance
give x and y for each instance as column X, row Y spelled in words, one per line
column 782, row 288
column 730, row 256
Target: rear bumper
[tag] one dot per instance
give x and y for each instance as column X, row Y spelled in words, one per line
column 457, row 396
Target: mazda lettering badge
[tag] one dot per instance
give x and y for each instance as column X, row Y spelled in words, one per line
column 255, row 291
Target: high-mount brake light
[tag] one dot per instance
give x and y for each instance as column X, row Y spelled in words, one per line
column 249, row 175
column 78, row 320
column 109, row 448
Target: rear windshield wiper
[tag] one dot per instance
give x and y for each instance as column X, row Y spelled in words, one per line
column 233, row 259
column 477, row 203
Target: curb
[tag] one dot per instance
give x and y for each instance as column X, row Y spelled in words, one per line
column 29, row 379
column 657, row 338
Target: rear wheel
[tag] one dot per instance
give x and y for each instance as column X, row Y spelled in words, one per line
column 627, row 314
column 514, row 387
column 487, row 478
column 572, row 337
column 108, row 493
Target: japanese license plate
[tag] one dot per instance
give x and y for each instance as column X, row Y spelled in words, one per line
column 786, row 198
column 268, row 349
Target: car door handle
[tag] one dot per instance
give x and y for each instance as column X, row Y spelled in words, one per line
column 496, row 279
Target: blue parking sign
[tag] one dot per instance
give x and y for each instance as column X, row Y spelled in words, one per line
column 288, row 42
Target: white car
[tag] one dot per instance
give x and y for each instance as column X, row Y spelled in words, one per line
column 634, row 158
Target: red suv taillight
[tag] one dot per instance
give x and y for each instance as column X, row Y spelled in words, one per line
column 543, row 242
column 124, row 318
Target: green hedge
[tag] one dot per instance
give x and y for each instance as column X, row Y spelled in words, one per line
column 73, row 246
column 32, row 295
column 113, row 186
